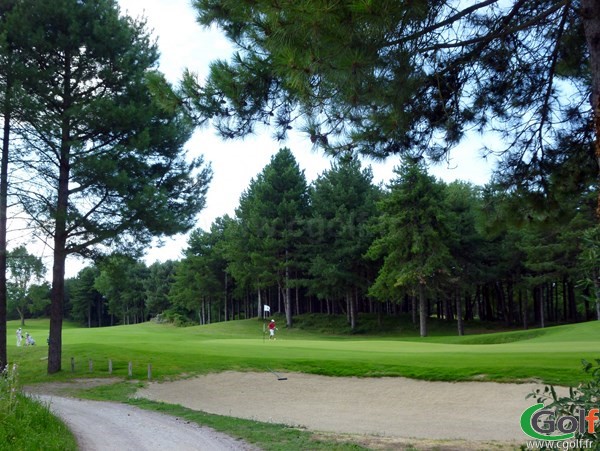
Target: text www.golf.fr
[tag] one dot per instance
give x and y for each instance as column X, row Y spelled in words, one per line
column 563, row 444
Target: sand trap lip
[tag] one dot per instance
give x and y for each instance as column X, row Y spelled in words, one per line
column 390, row 406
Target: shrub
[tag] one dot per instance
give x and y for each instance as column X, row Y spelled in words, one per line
column 584, row 397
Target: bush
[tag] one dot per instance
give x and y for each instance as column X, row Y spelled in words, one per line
column 173, row 317
column 584, row 397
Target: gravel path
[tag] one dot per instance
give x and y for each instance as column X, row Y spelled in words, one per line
column 101, row 426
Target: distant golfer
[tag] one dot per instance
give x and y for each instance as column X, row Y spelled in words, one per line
column 19, row 336
column 29, row 341
column 272, row 329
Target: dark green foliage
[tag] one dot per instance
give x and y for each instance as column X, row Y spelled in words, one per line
column 121, row 282
column 590, row 264
column 24, row 271
column 200, row 280
column 87, row 303
column 415, row 238
column 271, row 217
column 583, row 397
column 392, row 77
column 486, row 261
column 343, row 202
column 160, row 278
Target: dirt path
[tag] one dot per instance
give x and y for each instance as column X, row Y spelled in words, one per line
column 101, row 426
column 473, row 412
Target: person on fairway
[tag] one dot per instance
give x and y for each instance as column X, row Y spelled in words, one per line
column 19, row 336
column 29, row 341
column 272, row 329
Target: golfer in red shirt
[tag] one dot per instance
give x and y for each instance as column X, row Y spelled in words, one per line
column 272, row 330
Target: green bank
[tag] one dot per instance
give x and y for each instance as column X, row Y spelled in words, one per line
column 551, row 355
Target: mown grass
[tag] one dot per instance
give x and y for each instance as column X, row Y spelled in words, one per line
column 316, row 345
column 551, row 355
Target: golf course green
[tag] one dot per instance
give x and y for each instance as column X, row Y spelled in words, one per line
column 552, row 355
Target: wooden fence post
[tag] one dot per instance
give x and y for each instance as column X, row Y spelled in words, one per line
column 91, row 365
column 149, row 371
column 109, row 366
column 130, row 369
column 72, row 364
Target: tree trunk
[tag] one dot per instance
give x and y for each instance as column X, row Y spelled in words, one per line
column 225, row 308
column 459, row 314
column 597, row 291
column 57, row 300
column 510, row 303
column 523, row 306
column 60, row 235
column 3, row 221
column 287, row 299
column 590, row 11
column 572, row 302
column 351, row 310
column 422, row 311
column 540, row 295
column 279, row 294
column 261, row 312
column 468, row 307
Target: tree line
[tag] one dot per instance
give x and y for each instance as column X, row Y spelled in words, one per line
column 344, row 245
column 94, row 135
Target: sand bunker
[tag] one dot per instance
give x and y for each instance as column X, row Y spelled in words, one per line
column 389, row 407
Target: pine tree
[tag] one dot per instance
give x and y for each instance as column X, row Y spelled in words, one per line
column 343, row 205
column 272, row 212
column 106, row 160
column 85, row 298
column 414, row 242
column 392, row 77
column 160, row 278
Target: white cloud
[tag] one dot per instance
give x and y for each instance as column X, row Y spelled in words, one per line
column 184, row 44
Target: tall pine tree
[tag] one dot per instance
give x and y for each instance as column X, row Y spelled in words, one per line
column 272, row 213
column 343, row 207
column 106, row 162
column 414, row 241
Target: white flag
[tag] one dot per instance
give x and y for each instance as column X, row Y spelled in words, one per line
column 266, row 308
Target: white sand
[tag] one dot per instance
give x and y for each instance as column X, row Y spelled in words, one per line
column 390, row 407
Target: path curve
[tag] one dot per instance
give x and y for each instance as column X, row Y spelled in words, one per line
column 101, row 426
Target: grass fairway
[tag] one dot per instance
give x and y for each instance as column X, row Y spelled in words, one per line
column 552, row 355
